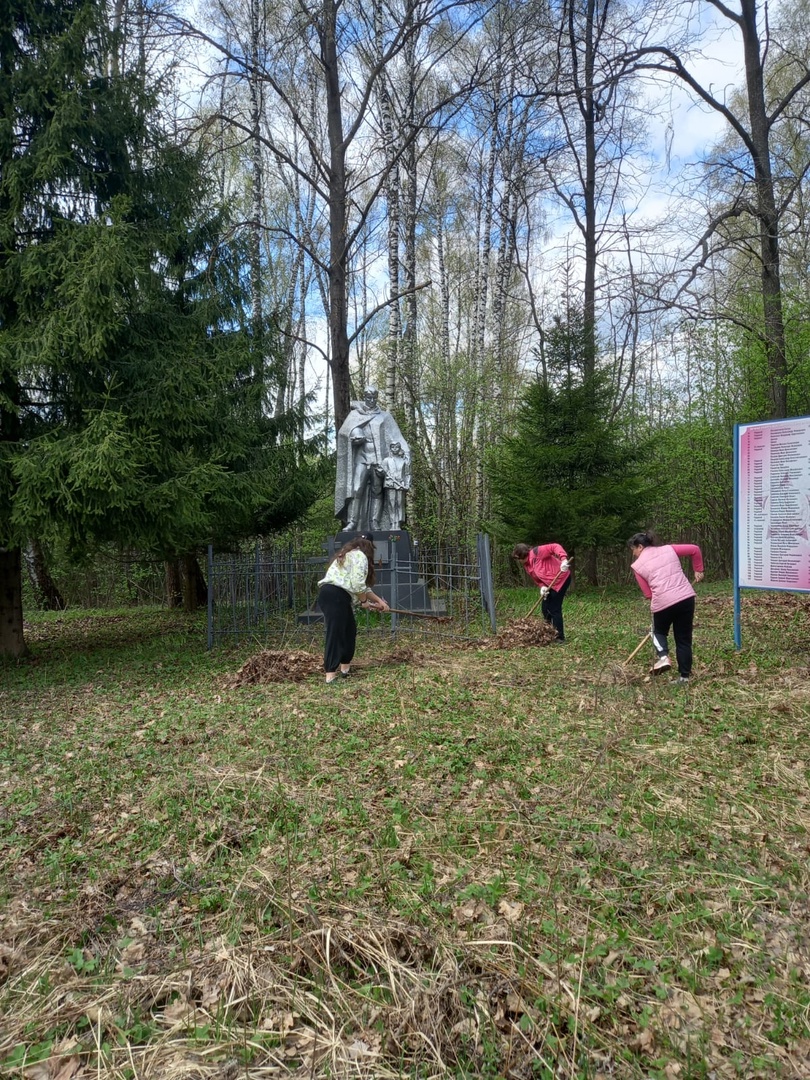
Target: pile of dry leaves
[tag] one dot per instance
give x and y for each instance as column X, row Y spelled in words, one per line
column 273, row 665
column 521, row 632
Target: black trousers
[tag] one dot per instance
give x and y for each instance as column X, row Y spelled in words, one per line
column 341, row 626
column 679, row 618
column 552, row 608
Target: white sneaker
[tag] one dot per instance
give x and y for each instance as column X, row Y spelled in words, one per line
column 662, row 664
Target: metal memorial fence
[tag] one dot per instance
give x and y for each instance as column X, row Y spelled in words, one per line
column 271, row 593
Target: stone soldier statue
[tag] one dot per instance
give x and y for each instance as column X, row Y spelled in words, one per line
column 396, row 481
column 363, row 442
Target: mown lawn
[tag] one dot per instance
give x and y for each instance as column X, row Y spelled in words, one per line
column 460, row 862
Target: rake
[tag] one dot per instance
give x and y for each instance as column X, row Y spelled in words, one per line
column 637, row 649
column 416, row 614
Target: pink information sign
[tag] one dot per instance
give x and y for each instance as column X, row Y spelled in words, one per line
column 773, row 505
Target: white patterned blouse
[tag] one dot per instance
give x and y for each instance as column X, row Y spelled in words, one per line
column 351, row 575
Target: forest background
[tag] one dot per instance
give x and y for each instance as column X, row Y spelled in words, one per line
column 219, row 225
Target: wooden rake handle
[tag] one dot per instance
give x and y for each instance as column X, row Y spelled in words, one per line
column 416, row 614
column 637, row 648
column 533, row 608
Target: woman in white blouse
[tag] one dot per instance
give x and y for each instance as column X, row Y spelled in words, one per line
column 347, row 581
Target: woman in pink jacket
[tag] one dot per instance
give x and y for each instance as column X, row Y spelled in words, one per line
column 547, row 565
column 672, row 599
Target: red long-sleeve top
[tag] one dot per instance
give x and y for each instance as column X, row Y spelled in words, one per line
column 543, row 565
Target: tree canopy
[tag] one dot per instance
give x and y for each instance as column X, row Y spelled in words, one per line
column 567, row 472
column 129, row 408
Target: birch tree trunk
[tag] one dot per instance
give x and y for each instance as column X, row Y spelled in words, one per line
column 585, row 92
column 481, row 301
column 48, row 596
column 391, row 190
column 256, row 203
column 409, row 272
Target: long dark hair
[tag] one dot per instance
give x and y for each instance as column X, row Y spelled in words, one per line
column 358, row 543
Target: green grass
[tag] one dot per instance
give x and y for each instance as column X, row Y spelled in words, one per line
column 479, row 862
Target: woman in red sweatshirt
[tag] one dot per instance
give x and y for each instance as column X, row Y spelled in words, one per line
column 547, row 565
column 672, row 599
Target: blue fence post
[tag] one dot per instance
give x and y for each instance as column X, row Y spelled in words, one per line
column 736, row 526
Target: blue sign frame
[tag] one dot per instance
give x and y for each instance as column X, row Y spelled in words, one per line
column 737, row 587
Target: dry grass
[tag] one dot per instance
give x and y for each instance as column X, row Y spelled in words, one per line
column 488, row 862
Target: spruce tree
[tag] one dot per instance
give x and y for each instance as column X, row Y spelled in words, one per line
column 128, row 407
column 565, row 473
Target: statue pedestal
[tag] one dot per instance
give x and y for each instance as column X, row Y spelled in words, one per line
column 396, row 571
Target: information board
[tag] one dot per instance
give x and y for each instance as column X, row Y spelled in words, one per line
column 771, row 507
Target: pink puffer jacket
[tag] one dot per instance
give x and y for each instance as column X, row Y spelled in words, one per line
column 660, row 576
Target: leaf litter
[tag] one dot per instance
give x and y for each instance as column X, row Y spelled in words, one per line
column 279, row 666
column 440, row 874
column 274, row 665
column 521, row 633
